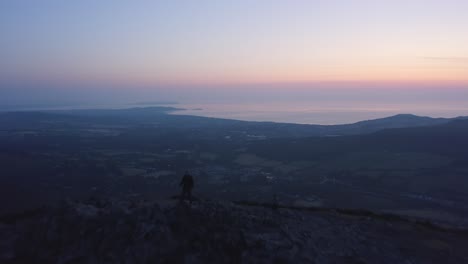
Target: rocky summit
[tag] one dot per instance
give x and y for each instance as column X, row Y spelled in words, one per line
column 129, row 231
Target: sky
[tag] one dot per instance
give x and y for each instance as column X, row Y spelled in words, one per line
column 87, row 50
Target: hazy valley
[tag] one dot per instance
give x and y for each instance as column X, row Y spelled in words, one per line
column 403, row 164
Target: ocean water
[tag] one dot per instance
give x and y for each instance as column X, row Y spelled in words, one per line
column 301, row 112
column 320, row 113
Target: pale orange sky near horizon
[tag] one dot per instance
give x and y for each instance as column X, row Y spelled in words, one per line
column 377, row 43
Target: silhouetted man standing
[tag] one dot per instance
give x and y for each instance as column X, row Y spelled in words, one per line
column 187, row 185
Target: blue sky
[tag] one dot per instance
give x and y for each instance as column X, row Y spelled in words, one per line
column 81, row 49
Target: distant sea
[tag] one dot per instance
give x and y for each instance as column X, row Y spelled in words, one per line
column 322, row 113
column 319, row 113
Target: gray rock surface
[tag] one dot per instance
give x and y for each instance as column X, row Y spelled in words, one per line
column 113, row 231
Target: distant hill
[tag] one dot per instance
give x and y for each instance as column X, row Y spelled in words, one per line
column 449, row 137
column 213, row 126
column 135, row 112
column 396, row 121
column 79, row 117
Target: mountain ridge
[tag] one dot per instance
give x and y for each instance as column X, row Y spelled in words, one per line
column 140, row 231
column 163, row 116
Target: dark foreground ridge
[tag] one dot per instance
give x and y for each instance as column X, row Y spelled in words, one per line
column 124, row 231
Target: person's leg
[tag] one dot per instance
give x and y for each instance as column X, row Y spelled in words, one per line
column 185, row 193
column 182, row 195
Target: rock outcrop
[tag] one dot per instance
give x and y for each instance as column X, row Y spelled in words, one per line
column 108, row 231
